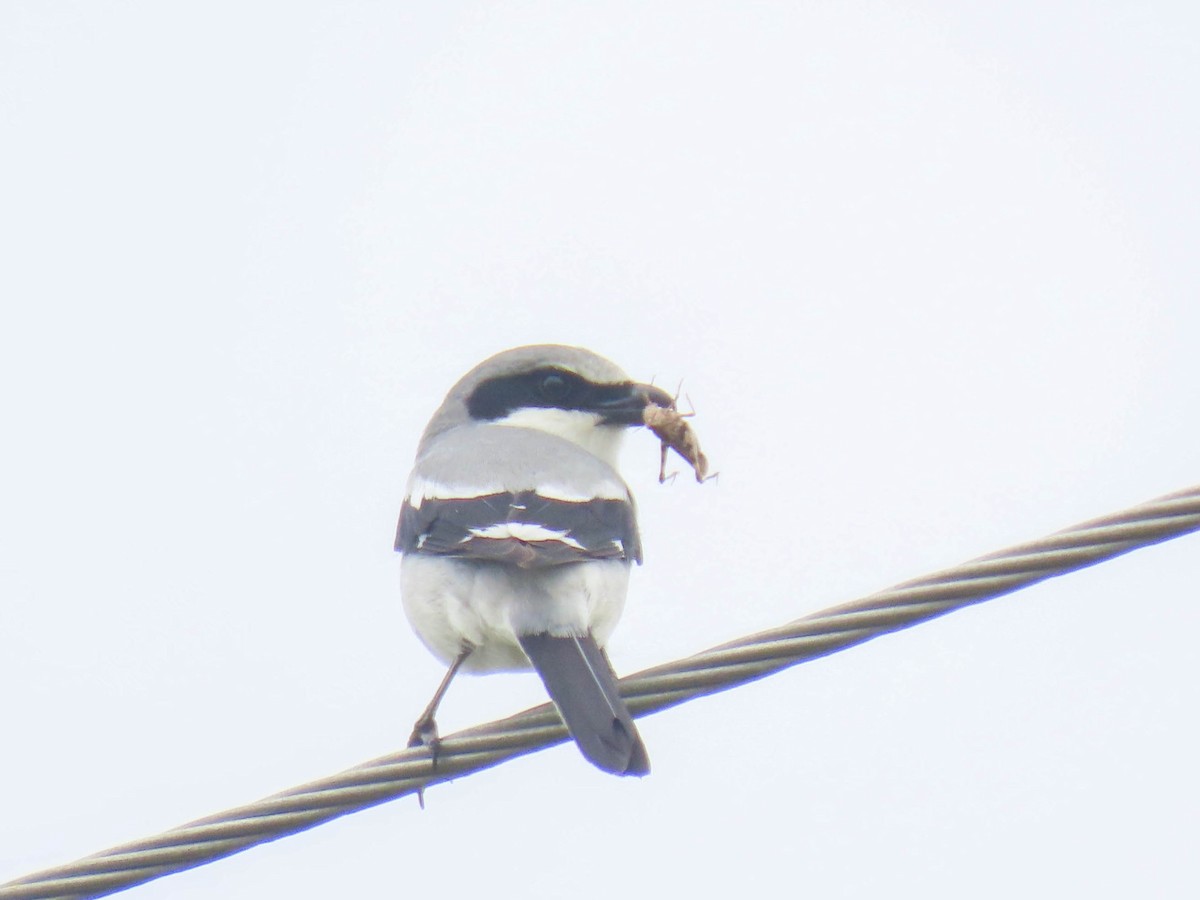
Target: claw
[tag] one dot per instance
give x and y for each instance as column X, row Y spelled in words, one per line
column 425, row 734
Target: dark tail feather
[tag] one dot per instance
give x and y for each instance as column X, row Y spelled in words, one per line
column 582, row 685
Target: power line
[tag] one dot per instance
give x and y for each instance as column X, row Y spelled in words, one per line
column 655, row 689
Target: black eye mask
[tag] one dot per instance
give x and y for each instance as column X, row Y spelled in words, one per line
column 552, row 388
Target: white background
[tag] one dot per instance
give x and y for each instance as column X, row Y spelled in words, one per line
column 928, row 272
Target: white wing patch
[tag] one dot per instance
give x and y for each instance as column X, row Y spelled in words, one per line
column 521, row 531
column 422, row 489
column 611, row 490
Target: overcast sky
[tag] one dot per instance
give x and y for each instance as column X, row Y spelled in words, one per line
column 928, row 273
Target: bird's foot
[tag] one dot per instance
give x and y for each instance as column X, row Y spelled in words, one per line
column 425, row 734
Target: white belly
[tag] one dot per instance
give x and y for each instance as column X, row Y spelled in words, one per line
column 452, row 602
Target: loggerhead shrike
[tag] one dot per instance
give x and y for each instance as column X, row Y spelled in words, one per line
column 517, row 535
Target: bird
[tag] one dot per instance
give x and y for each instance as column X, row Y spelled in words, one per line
column 517, row 536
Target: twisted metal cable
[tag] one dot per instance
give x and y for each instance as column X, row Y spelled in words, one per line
column 655, row 689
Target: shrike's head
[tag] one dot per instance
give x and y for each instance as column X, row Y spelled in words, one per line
column 565, row 391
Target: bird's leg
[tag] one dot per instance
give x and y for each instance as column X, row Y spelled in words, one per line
column 425, row 733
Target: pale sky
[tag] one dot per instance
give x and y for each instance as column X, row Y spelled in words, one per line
column 928, row 273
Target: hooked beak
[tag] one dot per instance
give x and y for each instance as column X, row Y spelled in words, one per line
column 626, row 403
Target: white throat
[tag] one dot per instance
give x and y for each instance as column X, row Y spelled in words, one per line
column 576, row 426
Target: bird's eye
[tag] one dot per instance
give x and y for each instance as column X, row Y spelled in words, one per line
column 555, row 388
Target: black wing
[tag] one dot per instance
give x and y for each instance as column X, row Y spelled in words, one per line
column 523, row 529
